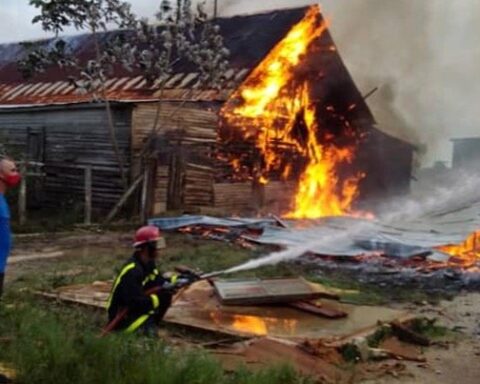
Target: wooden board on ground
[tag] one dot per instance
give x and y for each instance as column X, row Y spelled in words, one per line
column 271, row 291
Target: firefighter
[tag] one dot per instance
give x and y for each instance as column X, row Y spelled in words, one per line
column 138, row 276
column 9, row 178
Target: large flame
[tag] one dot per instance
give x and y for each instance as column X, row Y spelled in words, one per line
column 274, row 98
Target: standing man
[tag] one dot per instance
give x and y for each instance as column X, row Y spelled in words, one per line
column 9, row 178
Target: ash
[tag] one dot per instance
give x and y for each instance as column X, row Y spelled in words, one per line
column 387, row 273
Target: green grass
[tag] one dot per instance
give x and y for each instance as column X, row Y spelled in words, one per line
column 370, row 294
column 50, row 342
column 432, row 330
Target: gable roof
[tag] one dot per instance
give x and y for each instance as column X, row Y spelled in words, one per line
column 249, row 38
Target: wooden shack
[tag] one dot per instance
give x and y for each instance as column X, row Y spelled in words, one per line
column 48, row 120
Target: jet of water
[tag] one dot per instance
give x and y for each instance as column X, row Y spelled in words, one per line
column 463, row 192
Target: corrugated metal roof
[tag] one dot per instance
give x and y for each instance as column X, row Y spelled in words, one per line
column 249, row 38
column 179, row 86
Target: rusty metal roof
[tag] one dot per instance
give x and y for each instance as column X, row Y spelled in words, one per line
column 249, row 38
column 180, row 86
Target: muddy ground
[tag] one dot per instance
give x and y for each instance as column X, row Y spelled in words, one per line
column 55, row 260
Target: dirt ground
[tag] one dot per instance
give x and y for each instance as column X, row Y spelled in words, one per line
column 452, row 362
column 457, row 361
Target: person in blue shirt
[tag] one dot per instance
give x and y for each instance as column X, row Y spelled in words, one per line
column 9, row 178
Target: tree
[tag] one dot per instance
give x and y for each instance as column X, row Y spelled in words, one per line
column 182, row 34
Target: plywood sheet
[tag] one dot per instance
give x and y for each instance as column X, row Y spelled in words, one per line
column 257, row 291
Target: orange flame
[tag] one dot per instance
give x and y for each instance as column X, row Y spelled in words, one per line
column 273, row 98
column 465, row 254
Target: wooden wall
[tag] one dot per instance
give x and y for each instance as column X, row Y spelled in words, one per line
column 185, row 177
column 233, row 197
column 65, row 137
column 387, row 163
column 278, row 196
column 193, row 122
column 186, row 137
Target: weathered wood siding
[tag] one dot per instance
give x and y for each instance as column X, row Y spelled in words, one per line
column 185, row 136
column 72, row 136
column 192, row 122
column 233, row 197
column 279, row 195
column 198, row 190
column 160, row 193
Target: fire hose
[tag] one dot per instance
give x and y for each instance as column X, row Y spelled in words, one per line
column 192, row 277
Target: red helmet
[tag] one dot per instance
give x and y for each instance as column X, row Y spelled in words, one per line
column 147, row 234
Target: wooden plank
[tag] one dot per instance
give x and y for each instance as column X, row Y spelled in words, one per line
column 323, row 310
column 196, row 122
column 406, row 334
column 269, row 291
column 124, row 198
column 144, row 197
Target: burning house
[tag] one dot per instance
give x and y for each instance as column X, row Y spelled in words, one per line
column 290, row 131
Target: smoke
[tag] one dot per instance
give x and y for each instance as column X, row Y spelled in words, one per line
column 422, row 55
column 442, row 199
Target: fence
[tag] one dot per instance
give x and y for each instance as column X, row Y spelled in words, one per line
column 30, row 169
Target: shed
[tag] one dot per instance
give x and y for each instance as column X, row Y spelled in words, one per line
column 52, row 122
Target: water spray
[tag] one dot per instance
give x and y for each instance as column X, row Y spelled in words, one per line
column 400, row 209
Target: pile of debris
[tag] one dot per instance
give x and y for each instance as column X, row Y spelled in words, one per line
column 441, row 252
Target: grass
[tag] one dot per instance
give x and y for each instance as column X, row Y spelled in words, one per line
column 432, row 330
column 53, row 343
column 369, row 294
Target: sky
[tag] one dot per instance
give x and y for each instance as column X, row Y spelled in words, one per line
column 422, row 54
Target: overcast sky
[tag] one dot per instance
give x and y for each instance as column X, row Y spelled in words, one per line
column 423, row 54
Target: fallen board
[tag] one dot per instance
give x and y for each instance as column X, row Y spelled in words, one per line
column 271, row 291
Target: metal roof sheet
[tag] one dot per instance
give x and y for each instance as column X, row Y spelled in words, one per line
column 179, row 86
column 249, row 38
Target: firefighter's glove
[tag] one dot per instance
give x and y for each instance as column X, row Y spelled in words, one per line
column 179, row 282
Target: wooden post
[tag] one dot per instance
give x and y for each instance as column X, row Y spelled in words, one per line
column 22, row 196
column 144, row 197
column 88, row 195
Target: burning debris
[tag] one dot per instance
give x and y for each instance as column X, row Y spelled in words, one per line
column 277, row 107
column 434, row 254
column 291, row 121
